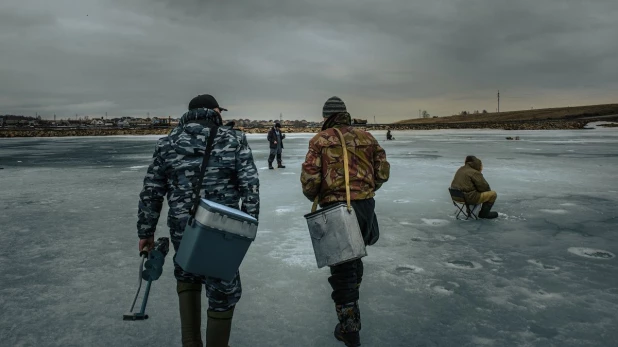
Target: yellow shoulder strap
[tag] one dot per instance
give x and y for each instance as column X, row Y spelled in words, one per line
column 346, row 171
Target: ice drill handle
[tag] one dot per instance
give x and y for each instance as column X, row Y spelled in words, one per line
column 144, row 252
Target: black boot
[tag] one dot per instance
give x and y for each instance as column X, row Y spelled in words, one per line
column 486, row 212
column 270, row 165
column 347, row 330
column 280, row 166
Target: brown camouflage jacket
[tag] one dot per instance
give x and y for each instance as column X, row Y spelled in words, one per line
column 322, row 171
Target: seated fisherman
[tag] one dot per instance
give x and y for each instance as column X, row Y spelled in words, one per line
column 389, row 136
column 471, row 182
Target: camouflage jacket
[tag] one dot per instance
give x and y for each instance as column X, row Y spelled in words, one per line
column 231, row 175
column 322, row 171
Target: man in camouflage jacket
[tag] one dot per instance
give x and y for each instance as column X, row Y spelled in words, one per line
column 231, row 177
column 323, row 177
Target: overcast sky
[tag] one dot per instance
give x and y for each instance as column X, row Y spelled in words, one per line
column 260, row 58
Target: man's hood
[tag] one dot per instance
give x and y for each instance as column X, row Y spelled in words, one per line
column 475, row 164
column 190, row 135
column 341, row 118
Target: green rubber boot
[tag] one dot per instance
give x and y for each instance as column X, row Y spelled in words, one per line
column 218, row 328
column 190, row 303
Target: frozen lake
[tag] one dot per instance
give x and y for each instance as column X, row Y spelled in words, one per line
column 543, row 274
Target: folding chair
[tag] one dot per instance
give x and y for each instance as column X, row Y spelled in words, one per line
column 459, row 200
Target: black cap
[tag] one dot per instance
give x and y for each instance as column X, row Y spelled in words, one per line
column 277, row 125
column 205, row 101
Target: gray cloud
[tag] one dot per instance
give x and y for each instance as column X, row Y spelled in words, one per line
column 260, row 58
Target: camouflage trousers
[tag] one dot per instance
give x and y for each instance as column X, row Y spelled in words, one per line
column 222, row 295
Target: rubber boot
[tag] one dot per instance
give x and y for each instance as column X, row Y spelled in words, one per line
column 190, row 302
column 486, row 212
column 218, row 328
column 347, row 330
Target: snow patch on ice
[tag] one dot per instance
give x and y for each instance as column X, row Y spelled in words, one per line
column 558, row 211
column 444, row 288
column 288, row 173
column 568, row 204
column 494, row 259
column 435, row 222
column 138, row 167
column 404, row 269
column 445, row 238
column 464, row 265
column 543, row 266
column 509, row 217
column 401, row 201
column 592, row 253
column 285, row 209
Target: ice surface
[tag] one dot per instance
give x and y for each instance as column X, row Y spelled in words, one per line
column 542, row 274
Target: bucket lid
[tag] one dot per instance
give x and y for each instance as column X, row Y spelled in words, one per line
column 229, row 211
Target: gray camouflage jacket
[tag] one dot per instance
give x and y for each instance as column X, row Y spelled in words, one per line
column 231, row 175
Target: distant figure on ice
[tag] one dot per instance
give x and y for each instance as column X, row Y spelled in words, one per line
column 471, row 182
column 275, row 137
column 323, row 175
column 389, row 136
column 230, row 176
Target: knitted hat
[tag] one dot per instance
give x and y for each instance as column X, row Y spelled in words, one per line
column 332, row 106
column 277, row 125
column 205, row 101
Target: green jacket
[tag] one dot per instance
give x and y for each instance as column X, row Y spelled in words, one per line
column 470, row 181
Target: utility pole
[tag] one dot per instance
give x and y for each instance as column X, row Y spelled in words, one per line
column 498, row 101
column 374, row 120
column 280, row 117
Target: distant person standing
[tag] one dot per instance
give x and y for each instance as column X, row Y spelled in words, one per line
column 389, row 136
column 471, row 182
column 230, row 177
column 323, row 175
column 275, row 137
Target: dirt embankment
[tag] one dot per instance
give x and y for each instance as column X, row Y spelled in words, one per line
column 545, row 114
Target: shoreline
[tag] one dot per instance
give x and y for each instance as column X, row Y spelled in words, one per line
column 555, row 124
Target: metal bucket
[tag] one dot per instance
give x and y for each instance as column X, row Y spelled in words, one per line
column 336, row 235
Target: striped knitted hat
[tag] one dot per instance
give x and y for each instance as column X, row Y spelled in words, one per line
column 332, row 106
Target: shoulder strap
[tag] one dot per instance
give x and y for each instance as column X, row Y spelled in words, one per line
column 211, row 137
column 346, row 171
